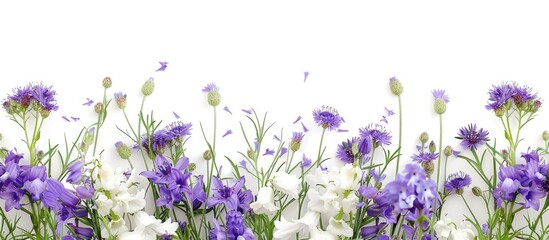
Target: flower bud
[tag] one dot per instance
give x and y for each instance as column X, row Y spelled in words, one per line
column 44, row 113
column 505, row 154
column 396, row 86
column 3, row 152
column 440, row 106
column 448, row 151
column 424, row 137
column 98, row 108
column 459, row 191
column 432, row 147
column 214, row 98
column 477, row 191
column 207, row 155
column 40, row 155
column 251, row 154
column 120, row 99
column 148, row 87
column 379, row 185
column 295, row 145
column 107, row 82
column 191, row 167
column 500, row 111
column 123, row 150
column 429, row 167
column 545, row 136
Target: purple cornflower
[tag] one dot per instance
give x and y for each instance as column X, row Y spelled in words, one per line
column 457, row 182
column 424, row 157
column 120, row 99
column 345, row 150
column 472, row 138
column 225, row 194
column 378, row 134
column 178, row 130
column 45, row 96
column 295, row 143
column 75, row 172
column 498, row 96
column 327, row 117
column 522, row 95
column 157, row 142
column 440, row 94
column 210, row 87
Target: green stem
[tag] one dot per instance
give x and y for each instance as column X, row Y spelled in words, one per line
column 399, row 134
column 439, row 149
column 100, row 120
column 319, row 156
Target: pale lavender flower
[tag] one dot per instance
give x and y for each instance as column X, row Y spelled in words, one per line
column 210, row 87
column 440, row 94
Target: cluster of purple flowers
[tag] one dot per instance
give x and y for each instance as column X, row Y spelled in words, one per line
column 174, row 133
column 173, row 182
column 18, row 180
column 528, row 180
column 501, row 98
column 235, row 228
column 411, row 194
column 31, row 96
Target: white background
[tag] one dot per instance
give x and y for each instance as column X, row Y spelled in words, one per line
column 257, row 53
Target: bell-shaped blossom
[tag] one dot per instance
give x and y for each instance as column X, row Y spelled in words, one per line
column 265, row 202
column 286, row 183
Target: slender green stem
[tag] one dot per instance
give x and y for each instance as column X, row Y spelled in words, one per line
column 319, row 156
column 469, row 208
column 100, row 119
column 399, row 134
column 439, row 149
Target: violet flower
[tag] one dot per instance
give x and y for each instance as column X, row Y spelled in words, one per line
column 327, row 117
column 75, row 172
column 228, row 195
column 380, row 137
column 472, row 138
column 457, row 182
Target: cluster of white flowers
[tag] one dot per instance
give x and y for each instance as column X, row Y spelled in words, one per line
column 120, row 194
column 332, row 196
column 448, row 230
